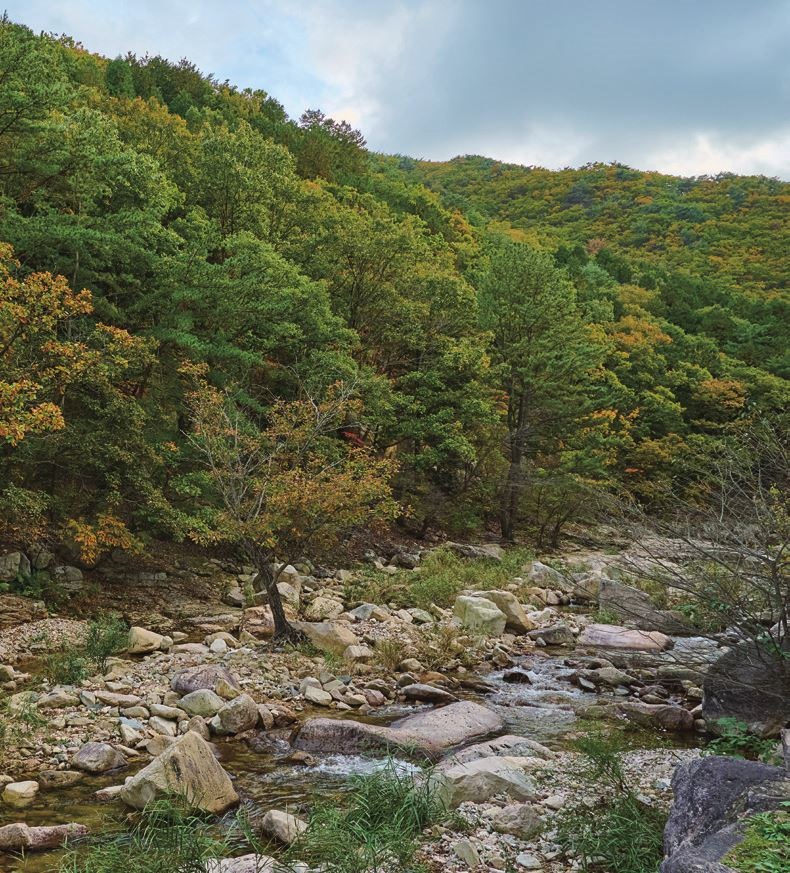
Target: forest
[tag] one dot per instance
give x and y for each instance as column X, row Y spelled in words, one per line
column 198, row 290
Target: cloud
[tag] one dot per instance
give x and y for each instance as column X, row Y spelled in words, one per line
column 681, row 86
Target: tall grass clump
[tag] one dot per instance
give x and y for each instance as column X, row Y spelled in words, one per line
column 166, row 837
column 620, row 833
column 376, row 830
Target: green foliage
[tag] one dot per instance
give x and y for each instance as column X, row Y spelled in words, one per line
column 105, row 636
column 738, row 741
column 67, row 666
column 620, row 832
column 165, row 837
column 377, row 827
column 765, row 847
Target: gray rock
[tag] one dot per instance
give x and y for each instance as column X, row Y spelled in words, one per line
column 329, row 636
column 213, row 677
column 492, row 551
column 555, row 635
column 637, row 608
column 283, row 826
column 712, row 799
column 751, row 684
column 516, row 619
column 427, row 693
column 13, row 566
column 202, row 702
column 612, row 636
column 480, row 614
column 236, row 716
column 19, row 837
column 482, row 779
column 98, row 758
column 518, row 819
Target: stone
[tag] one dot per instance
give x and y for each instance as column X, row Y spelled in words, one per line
column 317, row 696
column 323, row 608
column 516, row 619
column 541, row 575
column 519, row 819
column 410, row 665
column 15, row 610
column 283, row 826
column 509, row 745
column 163, row 726
column 54, row 779
column 427, row 693
column 187, row 769
column 142, row 641
column 246, row 864
column 236, row 716
column 57, row 699
column 558, row 634
column 98, row 758
column 610, row 676
column 466, row 851
column 113, row 698
column 421, row 616
column 218, row 647
column 492, row 551
column 18, row 837
column 230, row 641
column 751, row 684
column 329, row 636
column 637, row 608
column 158, row 744
column 661, row 715
column 171, row 712
column 212, row 677
column 13, row 566
column 258, row 620
column 202, row 702
column 358, row 654
column 527, row 861
column 482, row 779
column 428, row 733
column 612, row 636
column 712, row 797
column 479, row 614
column 20, row 794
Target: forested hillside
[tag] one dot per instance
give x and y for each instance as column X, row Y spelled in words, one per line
column 182, row 264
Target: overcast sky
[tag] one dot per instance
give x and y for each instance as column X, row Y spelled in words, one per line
column 683, row 86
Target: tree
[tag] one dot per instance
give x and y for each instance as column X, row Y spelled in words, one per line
column 287, row 488
column 545, row 354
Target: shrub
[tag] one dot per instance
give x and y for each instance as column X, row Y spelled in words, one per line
column 376, row 831
column 66, row 667
column 737, row 741
column 106, row 636
column 620, row 833
column 766, row 845
column 389, row 653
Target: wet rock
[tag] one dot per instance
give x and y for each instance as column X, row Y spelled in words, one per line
column 427, row 694
column 18, row 837
column 282, row 826
column 235, row 717
column 187, row 769
column 54, row 779
column 517, row 677
column 555, row 635
column 750, row 683
column 142, row 641
column 98, row 758
column 482, row 779
column 19, row 794
column 480, row 614
column 612, row 636
column 329, row 636
column 712, row 798
column 212, row 677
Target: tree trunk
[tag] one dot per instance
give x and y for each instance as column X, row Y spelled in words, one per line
column 517, row 418
column 267, row 580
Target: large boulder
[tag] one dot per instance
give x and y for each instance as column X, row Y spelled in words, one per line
column 20, row 793
column 516, row 619
column 187, row 769
column 323, row 608
column 750, row 683
column 328, row 636
column 203, row 702
column 13, row 566
column 713, row 798
column 558, row 634
column 18, row 837
column 480, row 614
column 142, row 641
column 16, row 610
column 236, row 716
column 492, row 551
column 98, row 758
column 637, row 608
column 612, row 636
column 482, row 779
column 430, row 733
column 283, row 826
column 206, row 676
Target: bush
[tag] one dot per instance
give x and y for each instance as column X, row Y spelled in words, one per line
column 69, row 666
column 165, row 838
column 104, row 636
column 766, row 845
column 620, row 833
column 376, row 831
column 737, row 741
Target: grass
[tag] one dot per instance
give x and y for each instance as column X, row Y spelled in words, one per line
column 442, row 575
column 104, row 637
column 737, row 741
column 376, row 830
column 17, row 725
column 620, row 833
column 766, row 845
column 166, row 837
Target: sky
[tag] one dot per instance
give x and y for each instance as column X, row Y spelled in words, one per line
column 680, row 86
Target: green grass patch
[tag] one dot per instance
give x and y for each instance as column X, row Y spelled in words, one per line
column 766, row 846
column 737, row 741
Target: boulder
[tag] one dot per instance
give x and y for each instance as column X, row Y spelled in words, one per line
column 20, row 794
column 323, row 608
column 212, row 677
column 519, row 819
column 429, row 733
column 236, row 716
column 427, row 693
column 358, row 654
column 329, row 636
column 492, row 551
column 187, row 769
column 516, row 619
column 13, row 566
column 480, row 614
column 558, row 634
column 661, row 715
column 317, row 696
column 751, row 684
column 637, row 608
column 243, row 864
column 612, row 636
column 283, row 826
column 142, row 641
column 16, row 610
column 713, row 797
column 204, row 703
column 98, row 758
column 541, row 575
column 258, row 620
column 482, row 779
column 18, row 837
column 509, row 745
